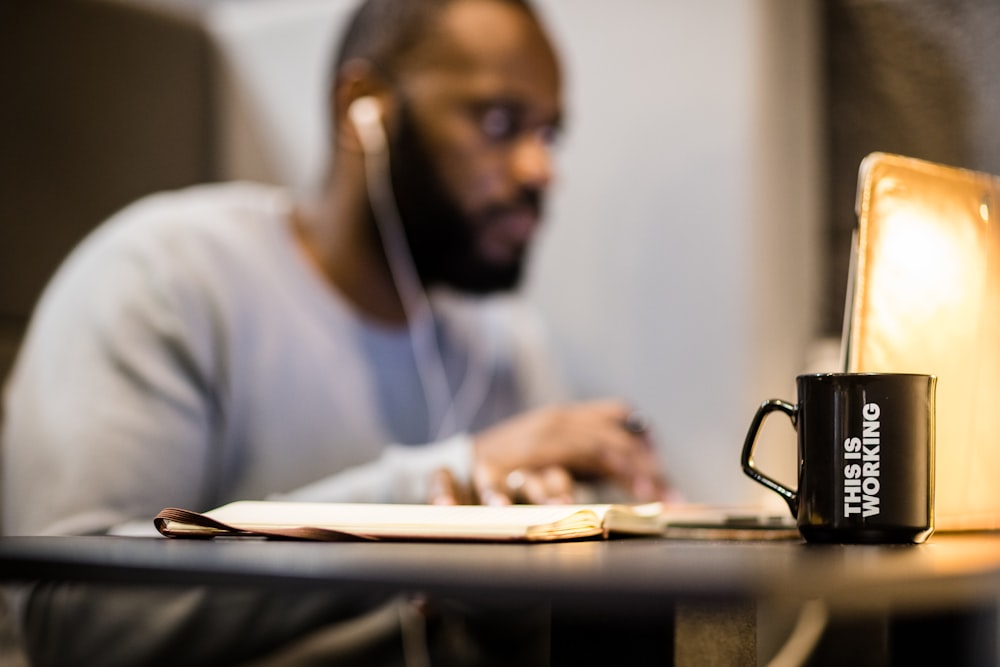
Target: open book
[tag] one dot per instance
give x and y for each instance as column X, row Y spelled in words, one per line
column 514, row 523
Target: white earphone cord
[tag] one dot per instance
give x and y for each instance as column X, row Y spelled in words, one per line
column 442, row 405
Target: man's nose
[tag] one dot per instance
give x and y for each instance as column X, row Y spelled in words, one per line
column 533, row 163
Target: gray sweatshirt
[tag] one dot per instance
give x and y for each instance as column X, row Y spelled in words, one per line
column 187, row 355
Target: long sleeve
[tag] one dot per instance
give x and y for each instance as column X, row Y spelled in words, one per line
column 402, row 473
column 186, row 355
column 108, row 413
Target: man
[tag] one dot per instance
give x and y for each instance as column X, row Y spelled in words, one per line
column 225, row 343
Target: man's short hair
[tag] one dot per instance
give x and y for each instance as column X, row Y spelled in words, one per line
column 386, row 32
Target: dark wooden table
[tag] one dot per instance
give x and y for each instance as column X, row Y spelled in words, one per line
column 950, row 577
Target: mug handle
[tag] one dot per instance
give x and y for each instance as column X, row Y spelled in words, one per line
column 791, row 496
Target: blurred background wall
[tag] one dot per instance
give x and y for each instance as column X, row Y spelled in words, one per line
column 680, row 267
column 697, row 239
column 915, row 77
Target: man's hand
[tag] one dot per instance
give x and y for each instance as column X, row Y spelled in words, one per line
column 537, row 456
column 538, row 487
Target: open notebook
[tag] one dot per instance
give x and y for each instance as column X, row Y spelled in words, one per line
column 513, row 523
column 925, row 298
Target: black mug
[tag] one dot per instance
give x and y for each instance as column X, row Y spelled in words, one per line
column 865, row 456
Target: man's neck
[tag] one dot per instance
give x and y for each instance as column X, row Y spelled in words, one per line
column 335, row 238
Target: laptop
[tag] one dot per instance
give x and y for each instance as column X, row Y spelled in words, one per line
column 924, row 297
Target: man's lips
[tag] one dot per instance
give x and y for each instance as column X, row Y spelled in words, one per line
column 506, row 234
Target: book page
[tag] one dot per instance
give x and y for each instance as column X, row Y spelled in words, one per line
column 419, row 521
column 337, row 521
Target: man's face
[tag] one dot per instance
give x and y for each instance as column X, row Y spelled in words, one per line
column 470, row 152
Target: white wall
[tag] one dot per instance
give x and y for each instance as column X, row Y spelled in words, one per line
column 274, row 62
column 679, row 266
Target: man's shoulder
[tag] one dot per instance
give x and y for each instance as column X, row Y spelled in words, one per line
column 205, row 202
column 186, row 223
column 175, row 238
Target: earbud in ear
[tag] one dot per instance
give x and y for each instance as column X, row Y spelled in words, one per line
column 366, row 115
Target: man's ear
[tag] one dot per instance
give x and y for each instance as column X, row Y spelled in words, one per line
column 357, row 79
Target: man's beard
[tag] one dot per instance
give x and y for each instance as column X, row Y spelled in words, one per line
column 441, row 237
